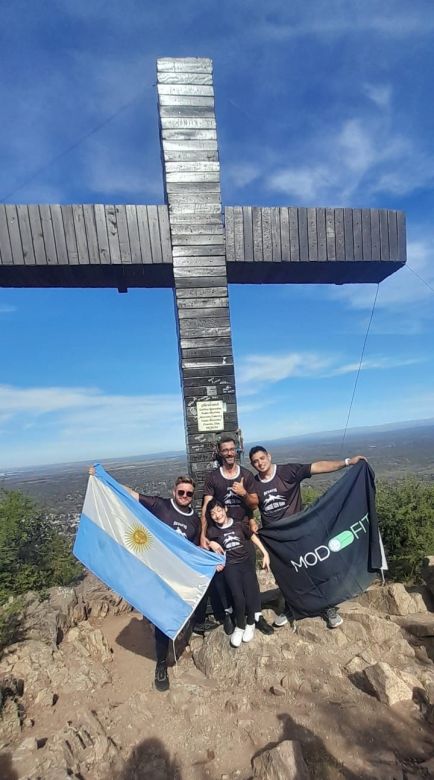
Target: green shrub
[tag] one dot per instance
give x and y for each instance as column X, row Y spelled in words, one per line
column 33, row 555
column 406, row 514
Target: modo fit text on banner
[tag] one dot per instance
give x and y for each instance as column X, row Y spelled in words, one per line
column 332, row 550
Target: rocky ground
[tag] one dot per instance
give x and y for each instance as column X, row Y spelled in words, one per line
column 77, row 696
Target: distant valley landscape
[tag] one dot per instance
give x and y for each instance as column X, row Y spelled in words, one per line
column 393, row 452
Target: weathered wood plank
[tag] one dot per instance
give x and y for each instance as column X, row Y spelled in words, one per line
column 331, row 234
column 185, row 89
column 197, row 251
column 276, row 247
column 185, row 113
column 185, row 272
column 198, row 121
column 348, row 234
column 5, row 244
column 238, row 233
column 185, row 134
column 402, row 241
column 102, row 234
column 197, row 292
column 312, row 233
column 92, row 240
column 133, row 234
column 202, row 307
column 70, row 237
column 184, row 65
column 113, row 237
column 303, row 233
column 284, row 235
column 154, row 232
column 145, row 239
column 230, row 233
column 357, row 234
column 393, row 234
column 267, row 240
column 80, row 234
column 124, row 241
column 195, row 166
column 199, row 239
column 339, row 234
column 165, row 240
column 26, row 234
column 202, row 281
column 366, row 234
column 384, row 236
column 47, row 229
column 321, row 234
column 258, row 251
column 170, row 77
column 14, row 234
column 375, row 234
column 294, row 241
column 201, row 261
column 202, row 342
column 59, row 234
column 180, row 101
column 248, row 233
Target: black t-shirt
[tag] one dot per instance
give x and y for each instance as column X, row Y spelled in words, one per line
column 219, row 486
column 185, row 523
column 280, row 495
column 233, row 540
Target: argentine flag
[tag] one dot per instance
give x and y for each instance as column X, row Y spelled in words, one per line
column 155, row 569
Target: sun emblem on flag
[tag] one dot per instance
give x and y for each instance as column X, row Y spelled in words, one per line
column 138, row 538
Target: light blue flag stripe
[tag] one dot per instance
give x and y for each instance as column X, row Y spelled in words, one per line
column 166, row 598
column 124, row 573
column 202, row 561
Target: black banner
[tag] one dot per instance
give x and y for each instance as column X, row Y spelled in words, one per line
column 331, row 551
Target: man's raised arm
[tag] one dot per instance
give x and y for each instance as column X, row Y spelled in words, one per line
column 328, row 466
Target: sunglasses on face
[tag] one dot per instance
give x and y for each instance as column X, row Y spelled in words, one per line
column 188, row 493
column 227, row 452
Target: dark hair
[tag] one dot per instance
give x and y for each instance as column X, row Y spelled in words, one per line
column 226, row 440
column 254, row 450
column 187, row 480
column 212, row 504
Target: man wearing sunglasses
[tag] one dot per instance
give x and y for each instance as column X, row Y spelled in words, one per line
column 178, row 513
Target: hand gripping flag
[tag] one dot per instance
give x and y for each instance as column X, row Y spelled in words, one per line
column 156, row 570
column 332, row 550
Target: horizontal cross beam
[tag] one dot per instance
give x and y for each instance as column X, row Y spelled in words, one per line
column 87, row 245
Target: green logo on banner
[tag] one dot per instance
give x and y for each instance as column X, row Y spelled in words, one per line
column 334, row 545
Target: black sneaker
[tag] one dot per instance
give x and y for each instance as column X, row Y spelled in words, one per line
column 201, row 628
column 263, row 626
column 228, row 624
column 161, row 677
column 332, row 618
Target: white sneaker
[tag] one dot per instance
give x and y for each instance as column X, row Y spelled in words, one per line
column 237, row 637
column 280, row 621
column 249, row 632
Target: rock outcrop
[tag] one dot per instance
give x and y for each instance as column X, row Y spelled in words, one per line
column 77, row 698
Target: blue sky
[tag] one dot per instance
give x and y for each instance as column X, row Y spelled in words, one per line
column 321, row 103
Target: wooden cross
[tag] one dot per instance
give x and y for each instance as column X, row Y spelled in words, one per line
column 195, row 247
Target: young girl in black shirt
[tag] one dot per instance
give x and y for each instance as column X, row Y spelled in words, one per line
column 239, row 571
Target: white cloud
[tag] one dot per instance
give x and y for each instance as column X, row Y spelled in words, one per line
column 380, row 94
column 255, row 371
column 68, row 423
column 6, row 308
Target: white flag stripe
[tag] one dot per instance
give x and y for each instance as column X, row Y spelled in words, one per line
column 106, row 510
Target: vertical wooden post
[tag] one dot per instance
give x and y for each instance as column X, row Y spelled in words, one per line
column 192, row 188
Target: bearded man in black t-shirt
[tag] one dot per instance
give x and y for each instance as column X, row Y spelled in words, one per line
column 234, row 486
column 278, row 489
